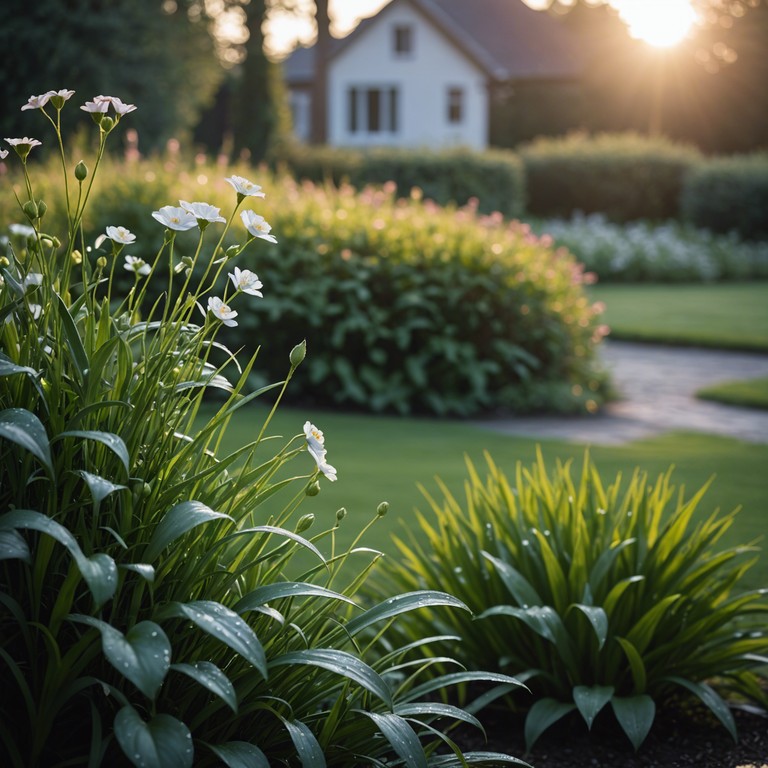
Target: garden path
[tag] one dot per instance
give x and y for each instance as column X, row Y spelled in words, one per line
column 657, row 386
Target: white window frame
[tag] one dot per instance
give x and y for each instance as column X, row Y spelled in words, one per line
column 369, row 118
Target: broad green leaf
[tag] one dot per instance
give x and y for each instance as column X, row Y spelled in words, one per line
column 113, row 442
column 340, row 663
column 636, row 664
column 711, row 699
column 142, row 655
column 635, row 715
column 519, row 587
column 99, row 571
column 283, row 589
column 432, row 709
column 308, row 749
column 240, row 754
column 147, row 572
column 401, row 738
column 22, row 427
column 225, row 625
column 9, row 368
column 597, row 619
column 13, row 546
column 176, row 522
column 163, row 742
column 212, row 678
column 394, row 606
column 591, row 700
column 74, row 342
column 98, row 486
column 543, row 714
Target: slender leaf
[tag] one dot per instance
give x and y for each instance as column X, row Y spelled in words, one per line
column 163, row 742
column 98, row 486
column 142, row 655
column 591, row 700
column 457, row 678
column 597, row 619
column 147, row 572
column 240, row 754
column 13, row 546
column 711, row 699
column 74, row 342
column 308, row 749
column 9, row 368
column 212, row 678
column 22, row 427
column 176, row 522
column 433, row 709
column 635, row 715
column 401, row 738
column 475, row 758
column 543, row 714
column 519, row 587
column 636, row 664
column 114, row 442
column 284, row 589
column 225, row 625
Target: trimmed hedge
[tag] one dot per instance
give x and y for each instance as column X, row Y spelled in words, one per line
column 729, row 194
column 494, row 178
column 624, row 176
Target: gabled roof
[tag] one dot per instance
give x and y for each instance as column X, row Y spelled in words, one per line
column 505, row 38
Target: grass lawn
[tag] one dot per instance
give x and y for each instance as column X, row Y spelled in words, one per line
column 752, row 393
column 380, row 458
column 726, row 315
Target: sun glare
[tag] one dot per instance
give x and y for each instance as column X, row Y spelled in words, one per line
column 661, row 23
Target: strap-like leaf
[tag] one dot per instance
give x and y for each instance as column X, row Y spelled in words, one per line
column 635, row 715
column 74, row 342
column 13, row 547
column 283, row 589
column 240, row 754
column 711, row 699
column 143, row 654
column 212, row 678
column 636, row 664
column 340, row 663
column 457, row 678
column 176, row 522
column 597, row 619
column 22, row 427
column 113, row 442
column 475, row 758
column 98, row 486
column 401, row 738
column 163, row 742
column 519, row 587
column 591, row 700
column 543, row 714
column 225, row 625
column 308, row 748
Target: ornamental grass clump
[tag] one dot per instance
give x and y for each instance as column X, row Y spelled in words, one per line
column 151, row 612
column 606, row 600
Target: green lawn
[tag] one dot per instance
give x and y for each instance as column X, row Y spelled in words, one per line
column 727, row 315
column 380, row 458
column 752, row 393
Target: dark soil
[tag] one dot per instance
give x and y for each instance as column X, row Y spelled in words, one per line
column 678, row 739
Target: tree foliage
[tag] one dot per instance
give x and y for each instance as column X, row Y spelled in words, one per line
column 157, row 53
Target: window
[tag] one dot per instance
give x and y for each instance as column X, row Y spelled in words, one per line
column 372, row 110
column 455, row 105
column 402, row 41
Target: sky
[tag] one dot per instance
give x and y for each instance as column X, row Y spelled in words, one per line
column 659, row 22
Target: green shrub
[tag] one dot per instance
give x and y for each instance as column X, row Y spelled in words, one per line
column 729, row 194
column 592, row 594
column 152, row 604
column 624, row 176
column 494, row 179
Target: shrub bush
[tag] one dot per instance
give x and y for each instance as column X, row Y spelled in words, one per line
column 624, row 176
column 729, row 194
column 457, row 176
column 592, row 594
column 153, row 611
column 642, row 252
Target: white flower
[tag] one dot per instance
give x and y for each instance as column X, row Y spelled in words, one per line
column 222, row 311
column 101, row 104
column 63, row 93
column 244, row 187
column 137, row 265
column 316, row 448
column 26, row 141
column 257, row 226
column 246, row 281
column 98, row 105
column 202, row 211
column 3, row 154
column 32, row 278
column 120, row 107
column 38, row 102
column 22, row 230
column 174, row 217
column 121, row 235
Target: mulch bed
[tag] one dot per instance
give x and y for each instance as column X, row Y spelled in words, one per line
column 678, row 739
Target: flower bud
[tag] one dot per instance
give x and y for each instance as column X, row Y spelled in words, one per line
column 106, row 124
column 81, row 171
column 30, row 210
column 298, row 353
column 77, row 257
column 4, row 262
column 382, row 509
column 313, row 489
column 41, row 208
column 305, row 521
column 101, row 262
column 341, row 514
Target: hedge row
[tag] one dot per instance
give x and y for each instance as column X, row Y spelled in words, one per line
column 495, row 179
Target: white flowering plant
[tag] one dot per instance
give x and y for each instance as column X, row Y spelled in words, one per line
column 152, row 612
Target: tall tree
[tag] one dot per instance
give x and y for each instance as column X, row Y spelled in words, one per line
column 157, row 54
column 320, row 84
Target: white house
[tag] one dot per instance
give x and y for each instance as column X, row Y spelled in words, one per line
column 422, row 73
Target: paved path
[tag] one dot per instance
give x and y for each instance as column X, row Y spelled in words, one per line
column 657, row 385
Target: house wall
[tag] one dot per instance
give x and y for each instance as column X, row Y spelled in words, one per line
column 421, row 79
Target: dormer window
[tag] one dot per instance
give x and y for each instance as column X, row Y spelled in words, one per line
column 402, row 40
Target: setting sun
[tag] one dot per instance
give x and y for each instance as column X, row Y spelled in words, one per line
column 661, row 23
